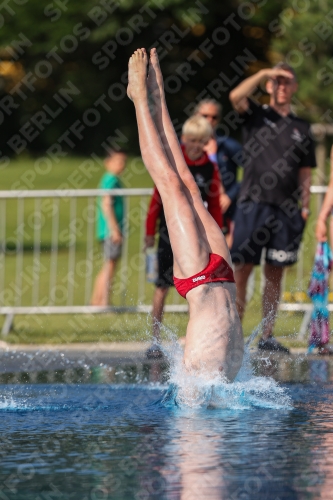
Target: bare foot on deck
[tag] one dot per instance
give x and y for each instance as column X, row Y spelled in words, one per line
column 137, row 74
column 155, row 77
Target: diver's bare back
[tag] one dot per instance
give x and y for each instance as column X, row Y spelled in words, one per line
column 214, row 338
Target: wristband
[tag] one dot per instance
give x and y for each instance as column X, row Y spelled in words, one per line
column 306, row 210
column 213, row 157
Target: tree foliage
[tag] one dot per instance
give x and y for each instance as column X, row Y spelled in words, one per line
column 301, row 33
column 68, row 55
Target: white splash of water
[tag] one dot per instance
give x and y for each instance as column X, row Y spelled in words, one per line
column 8, row 403
column 198, row 390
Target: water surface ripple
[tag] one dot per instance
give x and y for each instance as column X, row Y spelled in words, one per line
column 104, row 441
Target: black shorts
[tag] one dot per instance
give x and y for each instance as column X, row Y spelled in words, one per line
column 266, row 226
column 228, row 217
column 165, row 260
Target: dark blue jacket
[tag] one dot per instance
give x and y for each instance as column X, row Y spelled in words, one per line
column 229, row 157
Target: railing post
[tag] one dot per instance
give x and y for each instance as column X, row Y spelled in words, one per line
column 8, row 324
column 321, row 160
column 305, row 325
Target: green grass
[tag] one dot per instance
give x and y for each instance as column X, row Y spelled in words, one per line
column 74, row 281
column 56, row 329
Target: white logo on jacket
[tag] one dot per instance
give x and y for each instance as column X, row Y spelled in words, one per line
column 296, row 135
column 269, row 122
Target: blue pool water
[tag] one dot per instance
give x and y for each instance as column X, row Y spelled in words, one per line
column 260, row 440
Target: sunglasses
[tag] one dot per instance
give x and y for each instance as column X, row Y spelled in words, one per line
column 214, row 117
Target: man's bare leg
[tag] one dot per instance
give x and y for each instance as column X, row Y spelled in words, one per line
column 154, row 351
column 271, row 297
column 160, row 295
column 163, row 121
column 183, row 231
column 242, row 273
column 210, row 234
column 103, row 283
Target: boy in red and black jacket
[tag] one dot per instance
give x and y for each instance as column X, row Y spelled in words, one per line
column 196, row 132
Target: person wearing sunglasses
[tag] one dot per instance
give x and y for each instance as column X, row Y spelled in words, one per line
column 226, row 152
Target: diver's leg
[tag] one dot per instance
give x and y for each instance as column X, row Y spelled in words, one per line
column 210, row 234
column 180, row 217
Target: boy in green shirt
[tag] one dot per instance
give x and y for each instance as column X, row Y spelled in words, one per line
column 110, row 221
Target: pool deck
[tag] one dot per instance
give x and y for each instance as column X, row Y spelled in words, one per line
column 125, row 362
column 32, row 357
column 114, row 349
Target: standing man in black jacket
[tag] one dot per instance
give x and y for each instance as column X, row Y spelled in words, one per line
column 273, row 204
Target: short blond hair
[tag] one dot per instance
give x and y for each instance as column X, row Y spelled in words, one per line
column 198, row 127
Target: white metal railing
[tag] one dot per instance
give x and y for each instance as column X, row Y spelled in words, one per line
column 74, row 193
column 49, row 255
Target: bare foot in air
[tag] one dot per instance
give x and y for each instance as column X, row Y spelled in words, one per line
column 137, row 74
column 155, row 78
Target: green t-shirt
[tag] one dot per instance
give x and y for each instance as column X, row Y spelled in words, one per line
column 109, row 181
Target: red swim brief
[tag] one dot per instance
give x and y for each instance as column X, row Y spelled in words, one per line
column 217, row 269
